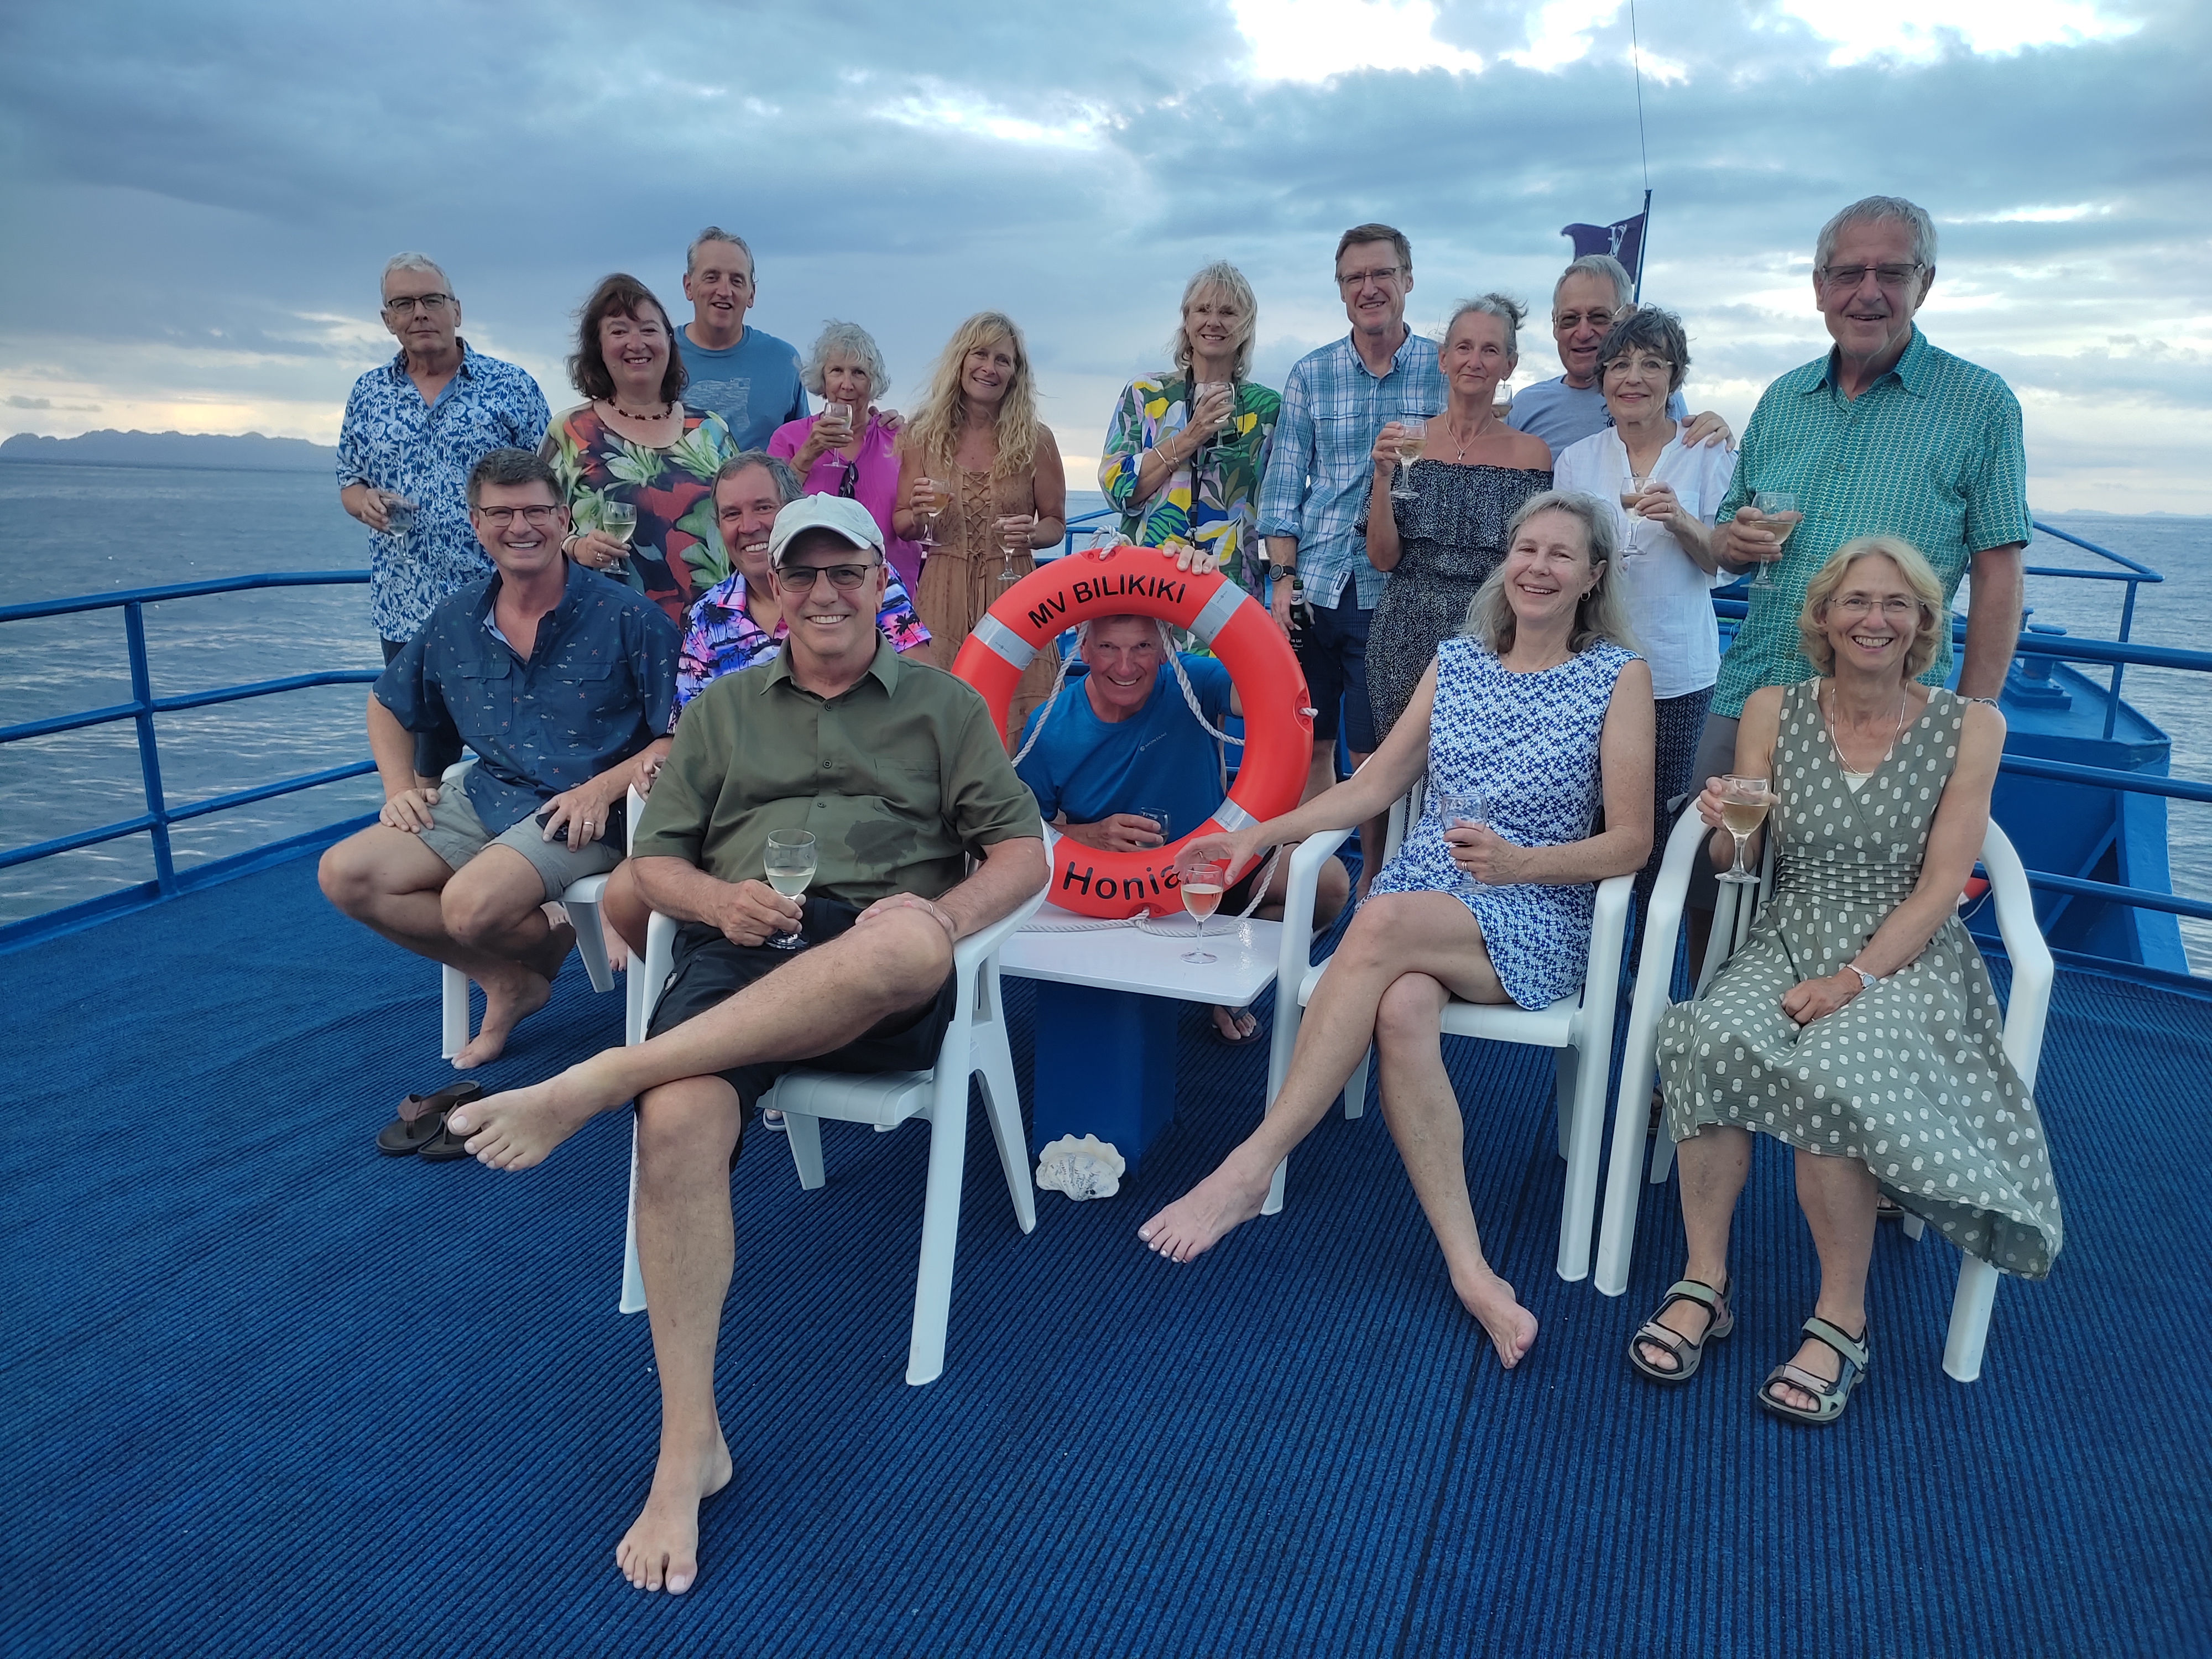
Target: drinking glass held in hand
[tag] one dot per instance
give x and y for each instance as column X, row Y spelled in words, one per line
column 790, row 863
column 1778, row 508
column 1744, row 802
column 619, row 520
column 1462, row 810
column 1412, row 439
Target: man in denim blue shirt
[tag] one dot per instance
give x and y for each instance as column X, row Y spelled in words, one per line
column 413, row 429
column 564, row 684
column 1336, row 404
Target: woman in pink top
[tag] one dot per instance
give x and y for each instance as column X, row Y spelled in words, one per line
column 850, row 448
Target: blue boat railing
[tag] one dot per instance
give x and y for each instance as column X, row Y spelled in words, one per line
column 158, row 817
column 143, row 706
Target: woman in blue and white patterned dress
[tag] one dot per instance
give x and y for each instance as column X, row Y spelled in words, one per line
column 1544, row 709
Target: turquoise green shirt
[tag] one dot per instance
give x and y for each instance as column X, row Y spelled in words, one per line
column 1931, row 452
column 900, row 777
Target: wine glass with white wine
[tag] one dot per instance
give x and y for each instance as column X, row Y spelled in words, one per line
column 1632, row 496
column 1412, row 439
column 619, row 520
column 1779, row 508
column 1203, row 883
column 790, row 861
column 936, row 497
column 1744, row 802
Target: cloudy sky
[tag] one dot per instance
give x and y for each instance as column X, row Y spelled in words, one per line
column 198, row 196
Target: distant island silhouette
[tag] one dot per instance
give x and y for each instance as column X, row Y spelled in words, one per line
column 229, row 452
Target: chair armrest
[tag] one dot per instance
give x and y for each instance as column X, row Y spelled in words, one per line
column 987, row 941
column 2031, row 966
column 633, row 808
column 1306, row 860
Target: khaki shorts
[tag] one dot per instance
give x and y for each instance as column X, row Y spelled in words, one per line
column 457, row 834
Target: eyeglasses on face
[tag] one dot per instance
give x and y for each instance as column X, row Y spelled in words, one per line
column 1361, row 278
column 405, row 305
column 536, row 517
column 1596, row 317
column 1846, row 277
column 1896, row 608
column 801, row 578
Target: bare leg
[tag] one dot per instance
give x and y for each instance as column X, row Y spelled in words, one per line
column 624, row 909
column 686, row 1243
column 1373, row 836
column 820, row 1000
column 1398, row 934
column 495, row 904
column 389, row 881
column 1423, row 1115
column 1321, row 771
column 1712, row 1166
column 1330, row 891
column 1837, row 1196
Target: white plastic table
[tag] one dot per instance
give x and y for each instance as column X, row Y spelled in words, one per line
column 1106, row 1017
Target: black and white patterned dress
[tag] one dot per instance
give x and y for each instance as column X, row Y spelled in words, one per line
column 1910, row 1076
column 1451, row 535
column 1528, row 743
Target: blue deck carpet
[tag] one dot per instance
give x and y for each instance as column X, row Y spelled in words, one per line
column 266, row 1392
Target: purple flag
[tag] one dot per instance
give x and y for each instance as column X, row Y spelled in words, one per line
column 1622, row 241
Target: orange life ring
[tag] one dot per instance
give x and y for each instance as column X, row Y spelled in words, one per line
column 1140, row 581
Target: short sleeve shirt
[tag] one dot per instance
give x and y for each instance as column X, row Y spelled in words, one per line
column 391, row 440
column 1160, row 757
column 1563, row 415
column 720, row 637
column 753, row 385
column 1931, row 452
column 600, row 684
column 901, row 777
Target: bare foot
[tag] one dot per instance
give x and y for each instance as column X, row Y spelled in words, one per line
column 517, row 1129
column 1235, row 1023
column 507, row 1002
column 661, row 1551
column 1205, row 1215
column 1512, row 1326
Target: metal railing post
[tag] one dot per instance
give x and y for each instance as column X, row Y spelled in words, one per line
column 150, row 753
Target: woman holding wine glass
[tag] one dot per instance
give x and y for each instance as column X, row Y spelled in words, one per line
column 1857, row 1023
column 1542, row 710
column 980, row 472
column 1668, row 493
column 1188, row 447
column 1441, row 540
column 633, row 443
column 850, row 448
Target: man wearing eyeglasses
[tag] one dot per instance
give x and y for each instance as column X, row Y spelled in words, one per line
column 414, row 427
column 897, row 770
column 563, row 683
column 1886, row 434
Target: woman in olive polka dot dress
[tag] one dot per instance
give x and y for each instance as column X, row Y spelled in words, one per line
column 1858, row 1023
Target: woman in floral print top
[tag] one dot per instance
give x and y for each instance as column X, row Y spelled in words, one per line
column 636, row 442
column 1186, row 467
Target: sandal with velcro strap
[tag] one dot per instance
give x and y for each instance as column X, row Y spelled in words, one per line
column 1720, row 1320
column 1831, row 1397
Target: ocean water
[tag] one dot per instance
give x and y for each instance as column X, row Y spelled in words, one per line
column 75, row 529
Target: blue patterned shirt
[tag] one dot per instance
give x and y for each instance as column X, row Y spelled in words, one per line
column 1931, row 452
column 1322, row 465
column 393, row 441
column 598, row 684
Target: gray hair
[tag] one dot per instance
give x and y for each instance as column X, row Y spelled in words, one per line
column 414, row 262
column 1602, row 614
column 1602, row 266
column 1504, row 307
column 1230, row 282
column 853, row 340
column 1877, row 210
column 787, row 486
column 716, row 234
column 1649, row 329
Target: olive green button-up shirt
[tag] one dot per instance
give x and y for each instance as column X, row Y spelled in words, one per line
column 901, row 777
column 1931, row 452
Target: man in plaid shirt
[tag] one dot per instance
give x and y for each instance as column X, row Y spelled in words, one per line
column 1336, row 404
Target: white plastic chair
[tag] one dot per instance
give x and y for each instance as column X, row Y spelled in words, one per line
column 580, row 901
column 2025, row 1016
column 1579, row 1027
column 975, row 1045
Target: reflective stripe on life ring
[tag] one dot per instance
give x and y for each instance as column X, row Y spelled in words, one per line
column 1143, row 581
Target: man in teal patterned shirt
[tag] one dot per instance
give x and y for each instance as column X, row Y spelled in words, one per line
column 1886, row 434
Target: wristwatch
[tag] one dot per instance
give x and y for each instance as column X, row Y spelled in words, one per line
column 1283, row 572
column 1867, row 981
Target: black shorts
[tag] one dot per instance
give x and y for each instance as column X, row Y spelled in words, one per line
column 1333, row 653
column 709, row 970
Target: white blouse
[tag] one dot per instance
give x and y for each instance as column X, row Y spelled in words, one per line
column 1669, row 599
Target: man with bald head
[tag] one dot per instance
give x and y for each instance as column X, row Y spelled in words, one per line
column 415, row 429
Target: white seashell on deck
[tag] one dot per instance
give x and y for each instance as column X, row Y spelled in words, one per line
column 1089, row 1168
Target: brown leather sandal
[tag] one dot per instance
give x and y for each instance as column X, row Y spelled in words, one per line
column 422, row 1118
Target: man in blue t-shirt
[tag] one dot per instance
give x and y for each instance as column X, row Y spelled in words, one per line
column 748, row 378
column 1123, row 764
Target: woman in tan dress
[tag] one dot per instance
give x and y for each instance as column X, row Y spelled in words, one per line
column 978, row 470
